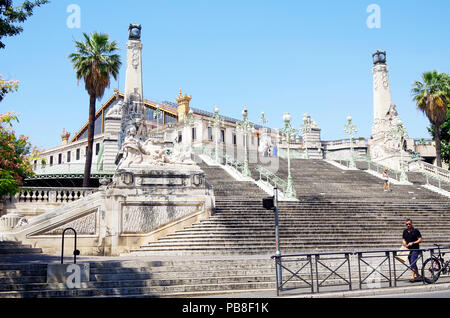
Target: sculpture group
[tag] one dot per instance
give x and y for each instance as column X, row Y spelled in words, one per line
column 151, row 152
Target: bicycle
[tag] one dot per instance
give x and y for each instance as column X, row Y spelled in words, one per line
column 434, row 266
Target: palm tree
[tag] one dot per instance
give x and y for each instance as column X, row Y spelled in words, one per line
column 432, row 96
column 94, row 61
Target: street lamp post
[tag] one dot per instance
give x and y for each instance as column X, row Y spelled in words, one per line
column 190, row 121
column 157, row 115
column 217, row 122
column 288, row 131
column 263, row 120
column 349, row 129
column 245, row 126
column 306, row 128
column 399, row 133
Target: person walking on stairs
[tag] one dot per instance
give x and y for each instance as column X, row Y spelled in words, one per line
column 411, row 240
column 387, row 184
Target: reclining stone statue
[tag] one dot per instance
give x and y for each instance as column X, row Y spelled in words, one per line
column 149, row 153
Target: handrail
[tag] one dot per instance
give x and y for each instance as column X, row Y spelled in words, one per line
column 379, row 167
column 271, row 178
column 75, row 251
column 396, row 173
column 437, row 178
column 436, row 171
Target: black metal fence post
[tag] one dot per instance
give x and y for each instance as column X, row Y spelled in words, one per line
column 309, row 257
column 347, row 256
column 359, row 269
column 276, row 274
column 389, row 267
column 394, row 255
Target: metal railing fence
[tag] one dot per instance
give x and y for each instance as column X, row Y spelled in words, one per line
column 340, row 271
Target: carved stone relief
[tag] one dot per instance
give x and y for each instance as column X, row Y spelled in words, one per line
column 86, row 224
column 145, row 218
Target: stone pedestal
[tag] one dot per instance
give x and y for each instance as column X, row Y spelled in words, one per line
column 147, row 204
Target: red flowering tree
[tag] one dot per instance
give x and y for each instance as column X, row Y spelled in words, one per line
column 15, row 157
column 7, row 86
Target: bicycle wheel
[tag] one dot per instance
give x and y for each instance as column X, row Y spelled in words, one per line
column 431, row 270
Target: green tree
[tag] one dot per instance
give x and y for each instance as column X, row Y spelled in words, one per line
column 11, row 17
column 444, row 136
column 94, row 62
column 432, row 95
column 15, row 159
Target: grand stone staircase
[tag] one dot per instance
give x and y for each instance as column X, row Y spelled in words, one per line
column 225, row 187
column 338, row 210
column 316, row 179
column 229, row 253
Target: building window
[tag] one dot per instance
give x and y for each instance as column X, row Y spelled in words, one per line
column 78, row 154
column 194, row 135
column 97, row 149
column 60, row 158
column 180, row 136
column 222, row 135
column 234, row 139
column 210, row 135
column 51, row 160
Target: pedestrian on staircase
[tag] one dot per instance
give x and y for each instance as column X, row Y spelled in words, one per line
column 387, row 184
column 411, row 240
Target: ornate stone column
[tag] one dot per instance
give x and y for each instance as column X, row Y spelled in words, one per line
column 382, row 98
column 383, row 147
column 133, row 84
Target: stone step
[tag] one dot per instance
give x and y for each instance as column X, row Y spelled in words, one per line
column 17, row 273
column 232, row 239
column 19, row 250
column 21, row 280
column 263, row 245
column 243, row 228
column 143, row 280
column 176, row 272
column 153, row 291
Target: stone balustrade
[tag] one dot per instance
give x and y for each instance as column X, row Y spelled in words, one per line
column 344, row 144
column 433, row 170
column 33, row 201
column 52, row 195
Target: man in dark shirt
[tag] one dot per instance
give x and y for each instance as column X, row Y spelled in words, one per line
column 411, row 240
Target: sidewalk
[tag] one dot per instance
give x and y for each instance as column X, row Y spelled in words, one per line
column 408, row 289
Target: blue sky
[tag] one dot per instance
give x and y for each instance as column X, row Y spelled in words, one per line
column 299, row 56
